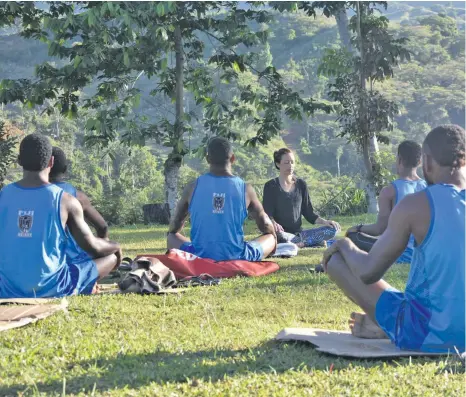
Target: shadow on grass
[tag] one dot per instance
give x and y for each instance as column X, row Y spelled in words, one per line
column 135, row 371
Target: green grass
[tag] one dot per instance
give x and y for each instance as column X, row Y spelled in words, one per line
column 209, row 341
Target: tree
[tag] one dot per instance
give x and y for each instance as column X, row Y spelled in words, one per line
column 441, row 23
column 7, row 151
column 365, row 113
column 114, row 49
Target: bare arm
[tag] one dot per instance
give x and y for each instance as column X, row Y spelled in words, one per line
column 370, row 267
column 386, row 204
column 182, row 210
column 74, row 218
column 92, row 215
column 256, row 211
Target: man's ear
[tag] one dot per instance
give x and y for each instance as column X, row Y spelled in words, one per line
column 427, row 162
column 19, row 161
column 51, row 161
column 232, row 158
column 207, row 158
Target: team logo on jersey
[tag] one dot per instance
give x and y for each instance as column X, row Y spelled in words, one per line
column 25, row 220
column 218, row 203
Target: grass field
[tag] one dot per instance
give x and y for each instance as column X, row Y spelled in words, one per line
column 209, row 341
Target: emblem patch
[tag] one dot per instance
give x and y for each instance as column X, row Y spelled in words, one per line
column 25, row 221
column 218, row 203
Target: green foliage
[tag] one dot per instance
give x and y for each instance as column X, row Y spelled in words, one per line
column 441, row 23
column 119, row 182
column 7, row 152
column 384, row 169
column 343, row 198
column 119, row 43
column 364, row 112
column 429, row 90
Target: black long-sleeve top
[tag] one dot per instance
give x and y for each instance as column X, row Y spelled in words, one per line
column 286, row 208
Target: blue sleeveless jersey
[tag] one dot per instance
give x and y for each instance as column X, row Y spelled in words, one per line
column 402, row 189
column 435, row 291
column 218, row 211
column 67, row 187
column 32, row 243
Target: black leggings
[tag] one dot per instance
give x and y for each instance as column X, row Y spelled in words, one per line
column 362, row 241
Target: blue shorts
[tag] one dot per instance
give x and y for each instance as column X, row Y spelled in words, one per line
column 405, row 323
column 252, row 252
column 84, row 274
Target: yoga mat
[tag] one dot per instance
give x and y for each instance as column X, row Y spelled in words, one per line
column 112, row 289
column 342, row 343
column 15, row 313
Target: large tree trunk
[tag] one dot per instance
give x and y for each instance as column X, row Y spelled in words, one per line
column 173, row 163
column 342, row 23
column 369, row 143
column 171, row 171
column 372, row 204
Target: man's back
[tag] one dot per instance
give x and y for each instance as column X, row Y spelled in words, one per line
column 32, row 242
column 218, row 210
column 436, row 284
column 405, row 187
column 73, row 251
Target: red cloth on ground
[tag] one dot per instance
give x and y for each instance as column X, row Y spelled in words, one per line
column 184, row 264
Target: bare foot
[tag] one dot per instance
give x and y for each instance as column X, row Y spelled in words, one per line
column 363, row 327
column 300, row 245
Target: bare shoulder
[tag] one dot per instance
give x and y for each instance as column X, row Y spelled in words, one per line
column 414, row 210
column 388, row 192
column 188, row 191
column 80, row 195
column 69, row 203
column 82, row 198
column 251, row 192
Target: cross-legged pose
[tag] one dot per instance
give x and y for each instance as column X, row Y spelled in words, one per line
column 34, row 215
column 218, row 204
column 408, row 182
column 91, row 215
column 430, row 314
column 58, row 177
column 286, row 200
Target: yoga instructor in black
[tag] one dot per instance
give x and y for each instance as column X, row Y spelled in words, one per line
column 286, row 199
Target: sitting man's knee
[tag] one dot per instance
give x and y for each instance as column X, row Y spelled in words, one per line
column 335, row 264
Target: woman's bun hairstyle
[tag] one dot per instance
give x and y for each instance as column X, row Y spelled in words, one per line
column 278, row 154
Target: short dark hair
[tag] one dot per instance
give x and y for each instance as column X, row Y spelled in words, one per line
column 410, row 153
column 278, row 154
column 35, row 152
column 219, row 151
column 60, row 163
column 446, row 144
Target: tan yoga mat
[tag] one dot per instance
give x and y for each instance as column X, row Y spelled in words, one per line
column 342, row 343
column 15, row 313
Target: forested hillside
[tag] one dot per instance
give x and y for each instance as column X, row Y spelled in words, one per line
column 429, row 90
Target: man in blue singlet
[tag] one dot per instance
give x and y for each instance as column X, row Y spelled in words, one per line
column 408, row 182
column 58, row 177
column 218, row 203
column 34, row 215
column 430, row 315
